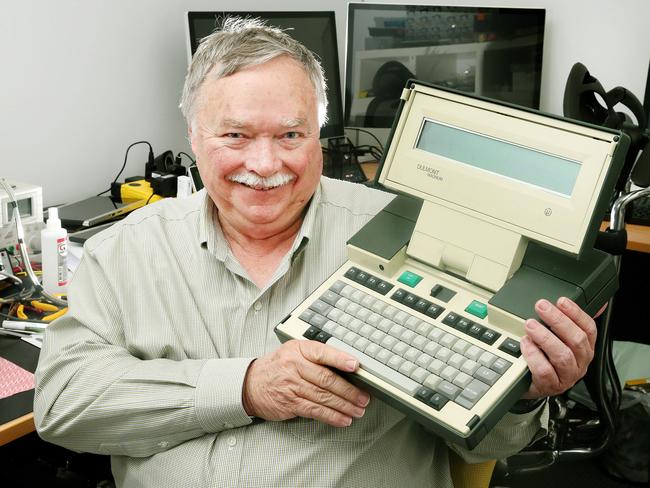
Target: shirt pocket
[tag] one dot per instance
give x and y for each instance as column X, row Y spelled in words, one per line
column 378, row 419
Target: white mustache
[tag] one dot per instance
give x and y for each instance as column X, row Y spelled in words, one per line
column 259, row 182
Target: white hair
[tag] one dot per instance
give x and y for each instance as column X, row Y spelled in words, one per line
column 240, row 43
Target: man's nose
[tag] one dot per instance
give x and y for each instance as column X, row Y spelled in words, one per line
column 263, row 157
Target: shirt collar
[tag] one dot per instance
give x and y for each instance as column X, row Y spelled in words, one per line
column 211, row 235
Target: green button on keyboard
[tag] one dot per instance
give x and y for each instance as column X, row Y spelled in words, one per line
column 409, row 279
column 477, row 309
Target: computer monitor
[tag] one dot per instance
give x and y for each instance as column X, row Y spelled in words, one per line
column 492, row 52
column 316, row 30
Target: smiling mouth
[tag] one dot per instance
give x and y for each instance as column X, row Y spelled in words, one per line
column 257, row 183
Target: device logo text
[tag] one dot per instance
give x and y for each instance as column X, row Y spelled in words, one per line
column 431, row 172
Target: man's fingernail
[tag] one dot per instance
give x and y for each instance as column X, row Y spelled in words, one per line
column 364, row 398
column 543, row 305
column 563, row 302
column 531, row 324
column 347, row 422
column 351, row 364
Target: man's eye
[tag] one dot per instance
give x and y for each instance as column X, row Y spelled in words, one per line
column 234, row 135
column 292, row 135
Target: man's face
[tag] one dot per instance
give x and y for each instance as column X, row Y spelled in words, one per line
column 255, row 135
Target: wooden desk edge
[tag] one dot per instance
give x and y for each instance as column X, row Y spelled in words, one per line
column 17, row 428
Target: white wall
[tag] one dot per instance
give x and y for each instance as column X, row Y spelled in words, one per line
column 81, row 80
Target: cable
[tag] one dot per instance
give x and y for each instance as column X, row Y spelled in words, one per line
column 148, row 166
column 16, row 280
column 22, row 247
column 178, row 158
column 369, row 133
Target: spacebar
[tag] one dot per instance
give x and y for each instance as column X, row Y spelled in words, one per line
column 389, row 375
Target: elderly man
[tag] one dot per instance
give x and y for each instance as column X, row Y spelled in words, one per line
column 167, row 358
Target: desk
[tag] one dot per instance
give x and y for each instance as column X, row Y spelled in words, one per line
column 16, row 418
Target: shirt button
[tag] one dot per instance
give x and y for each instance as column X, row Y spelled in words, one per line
column 227, row 426
column 163, row 444
column 232, row 441
column 258, row 307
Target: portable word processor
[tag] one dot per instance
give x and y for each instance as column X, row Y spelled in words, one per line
column 497, row 207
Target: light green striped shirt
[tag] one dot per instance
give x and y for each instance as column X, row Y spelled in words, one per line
column 149, row 362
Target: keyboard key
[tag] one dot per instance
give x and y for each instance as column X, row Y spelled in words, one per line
column 375, row 319
column 347, row 291
column 457, row 360
column 510, row 346
column 469, row 367
column 500, row 365
column 357, row 296
column 361, row 343
column 486, row 375
column 460, row 346
column 385, row 325
column 395, row 362
column 383, row 287
column 473, row 352
column 463, row 324
column 412, row 354
column 437, row 401
column 486, row 359
column 401, row 317
column 419, row 374
column 449, row 373
column 412, row 323
column 409, row 279
column 436, row 366
column 423, row 394
column 462, row 380
column 432, row 381
column 306, row 315
column 431, row 348
column 424, row 360
column 408, row 336
column 478, row 309
column 436, row 334
column 389, row 312
column 450, row 319
column 384, row 355
column 355, row 324
column 475, row 330
column 398, row 295
column 338, row 286
column 351, row 273
column 330, row 326
column 410, row 300
column 317, row 320
column 389, row 342
column 350, row 338
column 311, row 332
column 368, row 301
column 434, row 310
column 319, row 306
column 443, row 354
column 447, row 389
column 379, row 306
column 421, row 305
column 472, row 393
column 372, row 282
column 322, row 337
column 407, row 368
column 330, row 297
column 403, row 383
column 361, row 277
column 489, row 336
column 400, row 348
column 376, row 336
column 448, row 340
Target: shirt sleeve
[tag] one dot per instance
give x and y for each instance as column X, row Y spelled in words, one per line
column 511, row 434
column 94, row 395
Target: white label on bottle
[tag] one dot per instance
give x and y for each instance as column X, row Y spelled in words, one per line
column 62, row 265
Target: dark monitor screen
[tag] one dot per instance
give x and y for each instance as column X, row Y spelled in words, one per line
column 316, row 30
column 492, row 52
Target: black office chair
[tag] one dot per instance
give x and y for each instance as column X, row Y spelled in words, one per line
column 577, row 432
column 387, row 86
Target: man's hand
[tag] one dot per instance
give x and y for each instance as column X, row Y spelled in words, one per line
column 296, row 381
column 558, row 355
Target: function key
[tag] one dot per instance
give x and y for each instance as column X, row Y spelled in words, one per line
column 409, row 279
column 451, row 319
column 399, row 295
column 351, row 273
column 464, row 324
column 410, row 300
column 421, row 305
column 489, row 336
column 372, row 282
column 434, row 310
column 475, row 330
column 510, row 346
column 437, row 401
column 383, row 287
column 322, row 337
column 361, row 277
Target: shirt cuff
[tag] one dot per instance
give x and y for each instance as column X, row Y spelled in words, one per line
column 218, row 396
